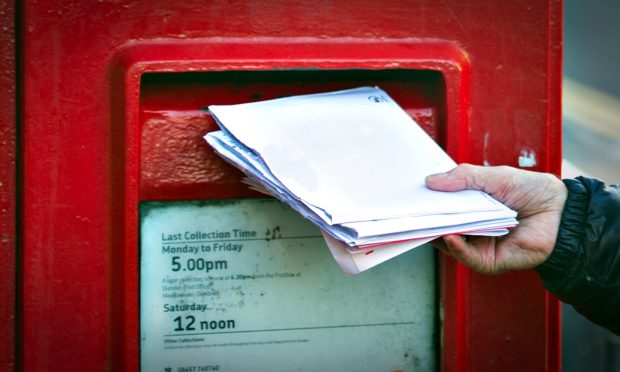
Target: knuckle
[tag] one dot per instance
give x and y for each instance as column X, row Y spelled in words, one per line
column 504, row 169
column 465, row 173
column 465, row 167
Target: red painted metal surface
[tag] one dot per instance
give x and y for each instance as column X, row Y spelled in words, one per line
column 103, row 80
column 8, row 195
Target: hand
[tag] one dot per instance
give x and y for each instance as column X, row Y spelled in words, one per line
column 538, row 199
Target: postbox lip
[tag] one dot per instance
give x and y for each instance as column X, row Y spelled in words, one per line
column 221, row 54
column 134, row 59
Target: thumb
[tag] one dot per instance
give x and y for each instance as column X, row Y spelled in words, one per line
column 463, row 177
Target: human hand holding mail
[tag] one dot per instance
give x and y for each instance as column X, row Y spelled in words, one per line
column 355, row 167
column 539, row 198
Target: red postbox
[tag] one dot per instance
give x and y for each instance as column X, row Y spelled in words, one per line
column 111, row 119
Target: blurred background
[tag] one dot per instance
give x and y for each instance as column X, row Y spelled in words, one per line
column 591, row 146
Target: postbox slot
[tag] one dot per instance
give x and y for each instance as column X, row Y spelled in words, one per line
column 175, row 161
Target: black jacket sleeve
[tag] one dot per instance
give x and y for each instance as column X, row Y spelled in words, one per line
column 584, row 267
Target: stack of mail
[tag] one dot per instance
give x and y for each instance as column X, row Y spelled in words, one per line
column 354, row 163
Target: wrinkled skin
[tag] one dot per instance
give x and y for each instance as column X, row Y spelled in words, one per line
column 538, row 198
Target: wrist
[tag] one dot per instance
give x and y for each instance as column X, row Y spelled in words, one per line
column 565, row 253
